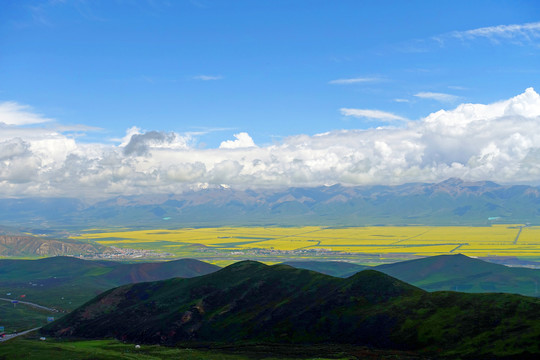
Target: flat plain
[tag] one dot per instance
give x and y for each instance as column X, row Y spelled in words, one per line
column 508, row 240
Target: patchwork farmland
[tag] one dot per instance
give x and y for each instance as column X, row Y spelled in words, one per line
column 322, row 242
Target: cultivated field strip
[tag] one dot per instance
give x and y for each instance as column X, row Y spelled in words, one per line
column 495, row 240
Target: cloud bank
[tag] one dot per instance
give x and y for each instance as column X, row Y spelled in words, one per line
column 498, row 142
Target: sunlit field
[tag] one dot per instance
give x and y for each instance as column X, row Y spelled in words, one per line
column 496, row 240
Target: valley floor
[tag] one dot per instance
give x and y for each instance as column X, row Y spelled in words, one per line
column 371, row 245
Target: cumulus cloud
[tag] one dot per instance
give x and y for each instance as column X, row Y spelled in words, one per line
column 437, row 96
column 12, row 113
column 498, row 142
column 139, row 144
column 353, row 80
column 13, row 148
column 371, row 114
column 243, row 140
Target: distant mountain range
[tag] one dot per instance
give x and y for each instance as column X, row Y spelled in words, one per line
column 451, row 202
column 250, row 302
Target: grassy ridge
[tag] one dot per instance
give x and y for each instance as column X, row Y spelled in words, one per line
column 461, row 273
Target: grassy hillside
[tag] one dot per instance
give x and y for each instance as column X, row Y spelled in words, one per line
column 252, row 302
column 22, row 317
column 66, row 282
column 461, row 273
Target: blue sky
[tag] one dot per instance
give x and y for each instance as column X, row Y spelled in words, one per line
column 273, row 71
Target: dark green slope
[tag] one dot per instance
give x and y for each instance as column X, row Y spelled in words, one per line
column 249, row 301
column 186, row 268
column 332, row 268
column 461, row 273
column 25, row 270
column 67, row 282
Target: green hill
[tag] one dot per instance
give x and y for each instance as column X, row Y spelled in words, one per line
column 461, row 273
column 67, row 282
column 251, row 302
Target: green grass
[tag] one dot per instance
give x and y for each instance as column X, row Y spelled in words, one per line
column 22, row 317
column 33, row 349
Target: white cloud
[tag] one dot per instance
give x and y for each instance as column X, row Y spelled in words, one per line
column 12, row 113
column 353, row 80
column 437, row 96
column 141, row 144
column 13, row 148
column 401, row 100
column 498, row 142
column 208, row 77
column 371, row 114
column 243, row 140
column 516, row 33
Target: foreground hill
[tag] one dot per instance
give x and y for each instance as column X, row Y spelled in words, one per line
column 461, row 273
column 67, row 282
column 450, row 202
column 252, row 302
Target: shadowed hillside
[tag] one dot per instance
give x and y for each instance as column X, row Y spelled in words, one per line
column 249, row 301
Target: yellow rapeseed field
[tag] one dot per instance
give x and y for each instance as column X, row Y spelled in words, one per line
column 499, row 240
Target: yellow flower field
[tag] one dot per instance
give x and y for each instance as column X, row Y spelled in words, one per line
column 496, row 240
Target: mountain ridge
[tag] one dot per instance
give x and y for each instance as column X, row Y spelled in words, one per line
column 27, row 245
column 450, row 202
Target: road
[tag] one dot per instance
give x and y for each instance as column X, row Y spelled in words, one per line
column 11, row 336
column 519, row 233
column 37, row 306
